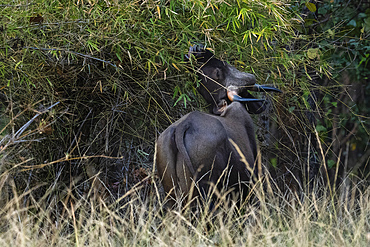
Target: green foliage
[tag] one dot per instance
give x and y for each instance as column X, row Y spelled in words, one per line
column 118, row 69
column 334, row 36
column 182, row 96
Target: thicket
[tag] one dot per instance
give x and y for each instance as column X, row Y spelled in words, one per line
column 87, row 86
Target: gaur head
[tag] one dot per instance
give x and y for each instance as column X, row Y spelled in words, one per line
column 218, row 77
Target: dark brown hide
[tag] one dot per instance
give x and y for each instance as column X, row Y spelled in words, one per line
column 198, row 147
column 202, row 141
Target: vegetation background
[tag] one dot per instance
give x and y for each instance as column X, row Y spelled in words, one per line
column 88, row 85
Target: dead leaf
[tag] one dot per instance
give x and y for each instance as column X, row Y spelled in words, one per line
column 37, row 19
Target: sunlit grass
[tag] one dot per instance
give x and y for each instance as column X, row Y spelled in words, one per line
column 114, row 66
column 138, row 220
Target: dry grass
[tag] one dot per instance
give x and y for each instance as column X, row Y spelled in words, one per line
column 136, row 219
column 117, row 69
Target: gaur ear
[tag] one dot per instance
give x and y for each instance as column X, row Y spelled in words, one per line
column 202, row 55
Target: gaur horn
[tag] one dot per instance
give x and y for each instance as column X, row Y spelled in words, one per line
column 264, row 88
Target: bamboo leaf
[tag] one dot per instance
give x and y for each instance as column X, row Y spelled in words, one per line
column 313, row 53
column 311, row 6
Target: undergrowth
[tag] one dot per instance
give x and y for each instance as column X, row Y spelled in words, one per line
column 136, row 220
column 87, row 86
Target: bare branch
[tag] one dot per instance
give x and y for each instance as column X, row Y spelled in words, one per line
column 73, row 52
